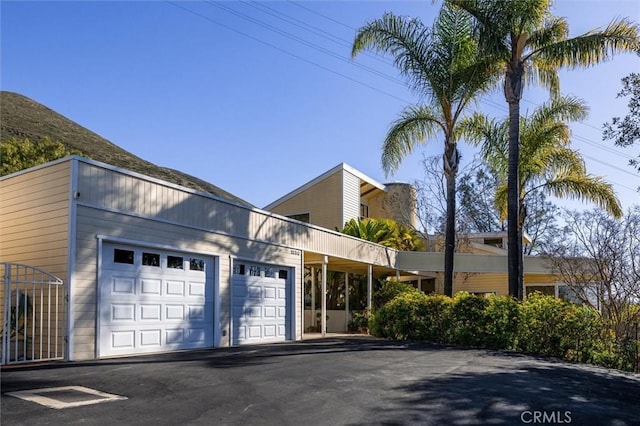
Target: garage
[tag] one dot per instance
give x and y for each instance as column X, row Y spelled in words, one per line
column 153, row 300
column 261, row 303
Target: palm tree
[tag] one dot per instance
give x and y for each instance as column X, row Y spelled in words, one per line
column 386, row 232
column 546, row 161
column 531, row 44
column 442, row 64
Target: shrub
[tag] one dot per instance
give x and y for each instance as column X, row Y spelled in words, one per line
column 468, row 319
column 414, row 316
column 436, row 325
column 502, row 316
column 540, row 325
column 359, row 321
column 389, row 290
column 399, row 318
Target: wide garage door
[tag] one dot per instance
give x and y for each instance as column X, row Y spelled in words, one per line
column 153, row 300
column 261, row 303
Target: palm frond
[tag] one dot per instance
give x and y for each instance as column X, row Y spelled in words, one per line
column 407, row 40
column 564, row 108
column 586, row 188
column 621, row 35
column 415, row 125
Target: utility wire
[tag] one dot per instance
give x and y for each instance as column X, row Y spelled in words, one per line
column 286, row 52
column 380, row 74
column 305, row 42
column 500, row 107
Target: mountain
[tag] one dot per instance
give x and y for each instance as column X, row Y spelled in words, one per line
column 21, row 117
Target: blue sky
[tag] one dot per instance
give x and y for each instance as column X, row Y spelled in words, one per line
column 260, row 97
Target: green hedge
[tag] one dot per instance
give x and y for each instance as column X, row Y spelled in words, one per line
column 540, row 325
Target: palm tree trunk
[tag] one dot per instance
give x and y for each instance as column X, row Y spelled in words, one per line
column 450, row 163
column 513, row 93
column 522, row 213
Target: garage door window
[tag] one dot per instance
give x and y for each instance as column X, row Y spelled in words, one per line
column 175, row 262
column 238, row 269
column 123, row 256
column 151, row 259
column 196, row 264
column 254, row 271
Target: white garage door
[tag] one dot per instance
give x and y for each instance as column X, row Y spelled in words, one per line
column 261, row 303
column 154, row 300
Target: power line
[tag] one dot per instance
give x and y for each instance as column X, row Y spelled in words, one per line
column 292, row 20
column 304, row 42
column 287, row 52
column 579, row 138
column 333, row 54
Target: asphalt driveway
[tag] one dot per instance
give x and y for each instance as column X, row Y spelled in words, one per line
column 345, row 381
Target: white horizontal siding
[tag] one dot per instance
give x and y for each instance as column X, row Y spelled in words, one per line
column 114, row 190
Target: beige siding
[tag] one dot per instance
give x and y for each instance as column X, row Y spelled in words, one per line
column 34, row 230
column 481, row 283
column 540, row 279
column 490, row 282
column 205, row 213
column 323, row 201
column 34, row 218
column 92, row 222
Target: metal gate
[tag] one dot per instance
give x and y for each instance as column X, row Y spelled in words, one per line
column 32, row 307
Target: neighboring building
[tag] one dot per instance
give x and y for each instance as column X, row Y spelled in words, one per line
column 150, row 266
column 344, row 193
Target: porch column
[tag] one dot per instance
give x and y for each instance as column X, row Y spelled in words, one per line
column 325, row 260
column 313, row 296
column 369, row 287
column 346, row 301
column 420, row 282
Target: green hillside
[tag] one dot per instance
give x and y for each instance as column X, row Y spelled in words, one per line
column 21, row 117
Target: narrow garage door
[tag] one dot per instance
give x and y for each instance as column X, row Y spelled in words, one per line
column 154, row 300
column 261, row 303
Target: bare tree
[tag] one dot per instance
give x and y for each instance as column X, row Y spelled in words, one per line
column 599, row 261
column 431, row 196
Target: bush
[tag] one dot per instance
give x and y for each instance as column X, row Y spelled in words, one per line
column 389, row 290
column 399, row 318
column 541, row 329
column 437, row 312
column 414, row 316
column 502, row 316
column 359, row 321
column 540, row 325
column 468, row 320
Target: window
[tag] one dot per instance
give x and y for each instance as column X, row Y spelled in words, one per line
column 364, row 210
column 196, row 264
column 238, row 269
column 282, row 274
column 549, row 290
column 123, row 256
column 151, row 259
column 254, row 271
column 175, row 262
column 269, row 272
column 496, row 242
column 302, row 217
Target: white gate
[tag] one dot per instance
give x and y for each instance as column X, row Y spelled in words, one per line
column 32, row 307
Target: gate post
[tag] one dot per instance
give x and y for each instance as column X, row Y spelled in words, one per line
column 6, row 312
